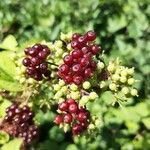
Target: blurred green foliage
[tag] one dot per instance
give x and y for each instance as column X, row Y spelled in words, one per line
column 123, row 28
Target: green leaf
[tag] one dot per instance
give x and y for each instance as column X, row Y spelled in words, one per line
column 9, row 43
column 4, row 137
column 13, row 145
column 10, row 85
column 72, row 147
column 146, row 122
column 7, row 66
column 3, row 105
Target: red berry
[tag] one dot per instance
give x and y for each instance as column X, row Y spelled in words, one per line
column 84, row 61
column 31, row 71
column 73, row 108
column 26, row 62
column 76, row 129
column 95, row 49
column 85, row 50
column 70, row 101
column 64, row 69
column 93, row 65
column 76, row 54
column 42, row 55
column 67, row 118
column 88, row 72
column 63, row 106
column 43, row 67
column 76, row 68
column 76, row 44
column 37, row 47
column 91, row 35
column 68, row 60
column 68, row 79
column 75, row 36
column 77, row 80
column 35, row 61
column 58, row 119
column 82, row 116
column 82, row 40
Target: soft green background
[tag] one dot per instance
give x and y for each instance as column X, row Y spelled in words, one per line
column 123, row 29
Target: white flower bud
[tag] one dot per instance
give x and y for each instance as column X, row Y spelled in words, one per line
column 124, row 72
column 64, row 89
column 91, row 126
column 22, row 80
column 103, row 84
column 75, row 95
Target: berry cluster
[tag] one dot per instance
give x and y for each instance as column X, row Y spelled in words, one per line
column 36, row 61
column 79, row 64
column 19, row 122
column 78, row 118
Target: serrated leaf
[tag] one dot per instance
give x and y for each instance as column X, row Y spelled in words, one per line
column 13, row 145
column 9, row 43
column 10, row 85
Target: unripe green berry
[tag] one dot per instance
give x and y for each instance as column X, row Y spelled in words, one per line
column 84, row 100
column 86, row 85
column 93, row 95
column 30, row 80
column 73, row 87
column 97, row 122
column 131, row 81
column 123, row 79
column 22, row 80
column 134, row 92
column 113, row 86
column 125, row 90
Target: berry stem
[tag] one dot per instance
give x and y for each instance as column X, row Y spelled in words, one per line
column 51, row 63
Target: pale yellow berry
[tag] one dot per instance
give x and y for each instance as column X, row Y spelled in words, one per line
column 75, row 95
column 111, row 68
column 113, row 86
column 57, row 87
column 124, row 73
column 123, row 79
column 69, row 35
column 103, row 84
column 30, row 80
column 134, row 92
column 115, row 77
column 125, row 90
column 64, row 54
column 59, row 43
column 63, row 36
column 93, row 95
column 61, row 82
column 64, row 89
column 86, row 85
column 84, row 100
column 61, row 100
column 22, row 80
column 69, row 47
column 97, row 122
column 73, row 87
column 100, row 65
column 91, row 126
column 131, row 81
column 130, row 71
